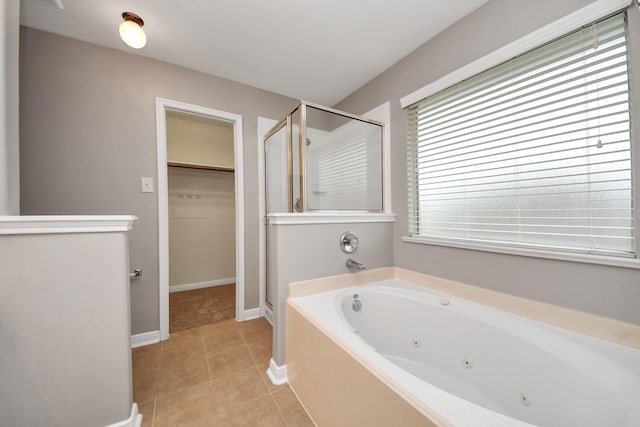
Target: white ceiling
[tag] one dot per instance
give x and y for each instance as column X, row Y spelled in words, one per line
column 317, row 50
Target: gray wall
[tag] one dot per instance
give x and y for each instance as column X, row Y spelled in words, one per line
column 9, row 143
column 609, row 291
column 65, row 352
column 88, row 133
column 309, row 251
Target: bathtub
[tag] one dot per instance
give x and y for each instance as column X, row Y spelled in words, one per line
column 460, row 363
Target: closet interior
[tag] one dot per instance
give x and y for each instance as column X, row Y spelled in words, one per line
column 201, row 178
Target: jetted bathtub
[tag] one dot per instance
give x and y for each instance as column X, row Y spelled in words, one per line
column 474, row 365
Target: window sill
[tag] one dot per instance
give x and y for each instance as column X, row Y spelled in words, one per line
column 529, row 252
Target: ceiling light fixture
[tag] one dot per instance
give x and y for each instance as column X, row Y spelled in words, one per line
column 131, row 30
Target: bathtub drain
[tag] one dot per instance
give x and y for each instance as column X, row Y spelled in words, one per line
column 415, row 343
column 524, row 399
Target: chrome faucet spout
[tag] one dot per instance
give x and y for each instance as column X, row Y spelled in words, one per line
column 355, row 265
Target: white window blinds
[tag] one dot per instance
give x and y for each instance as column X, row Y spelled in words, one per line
column 535, row 152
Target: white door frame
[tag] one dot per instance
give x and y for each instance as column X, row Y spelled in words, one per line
column 162, row 107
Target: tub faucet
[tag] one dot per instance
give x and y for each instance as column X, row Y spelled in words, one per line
column 355, row 265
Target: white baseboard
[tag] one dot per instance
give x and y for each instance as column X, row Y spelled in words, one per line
column 252, row 313
column 268, row 314
column 200, row 285
column 145, row 338
column 277, row 374
column 134, row 420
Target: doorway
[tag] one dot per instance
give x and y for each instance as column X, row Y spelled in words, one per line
column 164, row 109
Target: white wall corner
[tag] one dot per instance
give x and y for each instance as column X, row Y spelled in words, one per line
column 252, row 313
column 145, row 338
column 268, row 314
column 277, row 374
column 134, row 420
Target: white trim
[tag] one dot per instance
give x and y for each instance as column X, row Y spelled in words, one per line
column 145, row 338
column 252, row 313
column 59, row 224
column 277, row 374
column 162, row 106
column 201, row 285
column 530, row 252
column 573, row 21
column 134, row 420
column 268, row 314
column 382, row 114
column 264, row 126
column 328, row 218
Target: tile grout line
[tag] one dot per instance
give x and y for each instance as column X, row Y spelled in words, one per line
column 206, row 360
column 209, row 373
column 246, row 343
column 155, row 395
column 153, row 415
column 264, row 381
column 286, row 421
column 255, row 362
column 269, row 392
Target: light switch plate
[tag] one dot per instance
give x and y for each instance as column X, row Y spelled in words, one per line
column 147, row 184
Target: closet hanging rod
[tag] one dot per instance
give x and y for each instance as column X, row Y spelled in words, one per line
column 204, row 167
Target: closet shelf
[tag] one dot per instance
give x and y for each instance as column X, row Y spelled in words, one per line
column 196, row 166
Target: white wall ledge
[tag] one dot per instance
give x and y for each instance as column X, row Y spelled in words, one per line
column 329, row 217
column 64, row 224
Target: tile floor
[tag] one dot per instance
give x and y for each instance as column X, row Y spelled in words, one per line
column 213, row 375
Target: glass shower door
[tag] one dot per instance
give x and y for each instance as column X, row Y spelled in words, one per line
column 277, row 193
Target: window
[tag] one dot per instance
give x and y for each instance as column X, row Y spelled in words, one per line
column 533, row 153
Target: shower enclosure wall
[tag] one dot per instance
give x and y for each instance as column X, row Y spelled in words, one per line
column 318, row 159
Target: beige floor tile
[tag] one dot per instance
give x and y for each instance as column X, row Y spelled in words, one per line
column 173, row 378
column 182, row 338
column 292, row 410
column 206, row 376
column 221, row 339
column 255, row 328
column 147, row 409
column 191, row 406
column 189, row 351
column 259, row 323
column 216, row 327
column 145, row 386
column 260, row 349
column 228, row 359
column 237, row 388
column 146, row 358
column 261, row 412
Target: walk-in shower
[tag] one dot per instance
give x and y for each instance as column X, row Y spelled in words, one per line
column 318, row 159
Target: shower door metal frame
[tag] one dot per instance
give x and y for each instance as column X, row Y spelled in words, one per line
column 286, row 122
column 303, row 135
column 302, row 105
